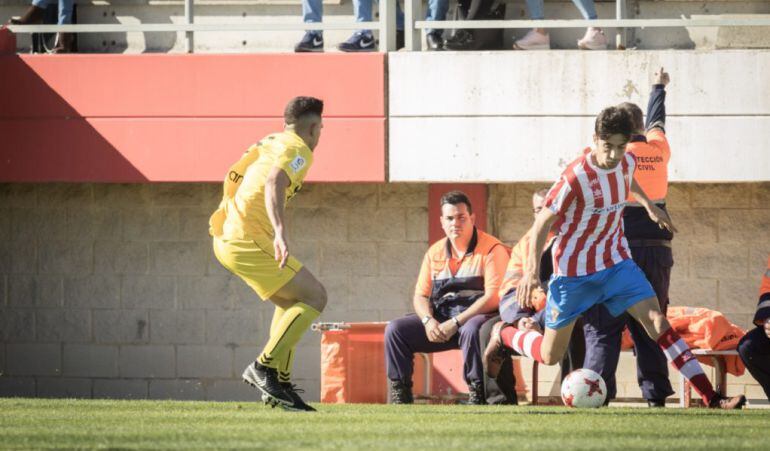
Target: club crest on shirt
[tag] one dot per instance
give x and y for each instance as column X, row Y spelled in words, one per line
column 297, row 163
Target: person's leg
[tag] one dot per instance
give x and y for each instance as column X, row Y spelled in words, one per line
column 284, row 361
column 470, row 344
column 502, row 388
column 303, row 298
column 437, row 10
column 404, row 337
column 312, row 12
column 655, row 324
column 603, row 333
column 651, row 365
column 547, row 348
column 535, row 8
column 587, row 9
column 754, row 349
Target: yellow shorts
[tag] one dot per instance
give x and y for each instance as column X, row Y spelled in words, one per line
column 254, row 262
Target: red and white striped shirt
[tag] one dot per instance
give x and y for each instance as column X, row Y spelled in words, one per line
column 589, row 202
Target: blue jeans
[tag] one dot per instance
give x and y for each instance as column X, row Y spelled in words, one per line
column 586, row 8
column 65, row 9
column 312, row 11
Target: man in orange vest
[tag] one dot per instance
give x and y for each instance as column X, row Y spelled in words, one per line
column 456, row 294
column 650, row 249
column 754, row 347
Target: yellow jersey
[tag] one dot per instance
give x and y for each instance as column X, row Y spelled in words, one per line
column 242, row 214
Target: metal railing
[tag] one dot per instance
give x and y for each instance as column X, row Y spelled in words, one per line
column 414, row 25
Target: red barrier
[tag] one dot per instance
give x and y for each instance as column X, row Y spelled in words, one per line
column 184, row 118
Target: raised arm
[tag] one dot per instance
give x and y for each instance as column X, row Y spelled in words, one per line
column 656, row 106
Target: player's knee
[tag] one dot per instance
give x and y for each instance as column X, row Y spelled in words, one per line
column 549, row 358
column 319, row 298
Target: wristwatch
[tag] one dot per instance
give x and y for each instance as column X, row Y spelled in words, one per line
column 425, row 319
column 456, row 321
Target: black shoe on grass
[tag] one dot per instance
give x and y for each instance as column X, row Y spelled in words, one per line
column 266, row 380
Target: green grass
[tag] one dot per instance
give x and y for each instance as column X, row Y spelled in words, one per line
column 43, row 423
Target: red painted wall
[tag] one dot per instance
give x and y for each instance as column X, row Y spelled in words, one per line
column 186, row 118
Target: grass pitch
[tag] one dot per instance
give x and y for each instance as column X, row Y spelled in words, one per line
column 42, row 423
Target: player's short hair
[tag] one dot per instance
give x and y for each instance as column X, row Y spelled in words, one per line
column 636, row 114
column 456, row 198
column 614, row 120
column 302, row 106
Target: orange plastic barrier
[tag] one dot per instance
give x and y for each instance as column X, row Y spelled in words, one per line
column 353, row 364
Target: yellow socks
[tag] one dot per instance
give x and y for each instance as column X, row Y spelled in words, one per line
column 286, row 330
column 283, row 362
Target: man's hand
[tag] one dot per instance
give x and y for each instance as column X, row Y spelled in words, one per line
column 281, row 249
column 660, row 217
column 433, row 332
column 448, row 329
column 767, row 327
column 661, row 77
column 529, row 324
column 528, row 285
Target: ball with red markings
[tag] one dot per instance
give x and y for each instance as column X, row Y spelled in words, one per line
column 583, row 388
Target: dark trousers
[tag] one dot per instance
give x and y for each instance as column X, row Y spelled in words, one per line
column 406, row 336
column 603, row 332
column 754, row 349
column 502, row 389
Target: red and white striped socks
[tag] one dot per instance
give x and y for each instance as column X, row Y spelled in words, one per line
column 525, row 342
column 678, row 353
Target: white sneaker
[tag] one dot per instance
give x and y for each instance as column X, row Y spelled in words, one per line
column 594, row 39
column 533, row 40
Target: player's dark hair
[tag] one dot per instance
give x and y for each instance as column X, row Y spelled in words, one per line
column 614, row 121
column 636, row 114
column 456, row 198
column 302, row 106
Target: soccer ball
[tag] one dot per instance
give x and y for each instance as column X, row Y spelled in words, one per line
column 583, row 388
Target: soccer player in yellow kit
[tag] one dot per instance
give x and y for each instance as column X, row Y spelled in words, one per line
column 249, row 235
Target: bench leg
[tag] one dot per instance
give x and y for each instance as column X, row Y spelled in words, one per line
column 534, row 383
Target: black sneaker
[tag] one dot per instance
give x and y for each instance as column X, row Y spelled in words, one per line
column 266, row 380
column 476, row 395
column 299, row 404
column 462, row 40
column 361, row 41
column 656, row 403
column 400, row 393
column 311, row 42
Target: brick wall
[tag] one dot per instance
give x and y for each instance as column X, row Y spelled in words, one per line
column 112, row 290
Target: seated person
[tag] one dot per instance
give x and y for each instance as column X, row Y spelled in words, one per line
column 528, row 318
column 456, row 293
column 754, row 347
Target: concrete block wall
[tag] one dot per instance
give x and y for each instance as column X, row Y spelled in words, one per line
column 111, row 290
column 720, row 255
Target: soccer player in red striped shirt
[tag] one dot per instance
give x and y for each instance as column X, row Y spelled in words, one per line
column 591, row 258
